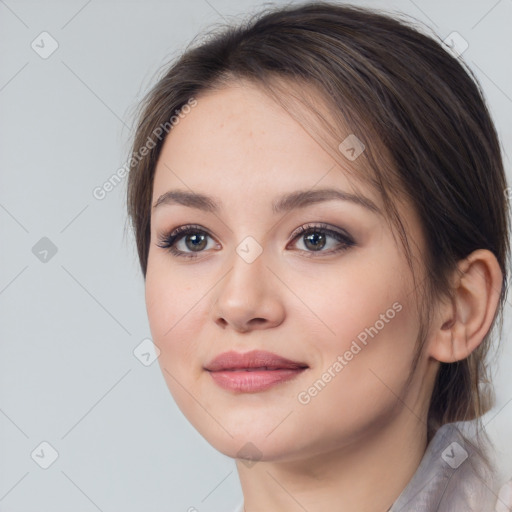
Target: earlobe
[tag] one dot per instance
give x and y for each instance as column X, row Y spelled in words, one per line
column 462, row 323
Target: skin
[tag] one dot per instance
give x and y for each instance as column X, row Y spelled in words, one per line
column 359, row 441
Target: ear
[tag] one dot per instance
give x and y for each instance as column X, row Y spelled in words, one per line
column 462, row 324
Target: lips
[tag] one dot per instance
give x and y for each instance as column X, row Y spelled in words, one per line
column 256, row 360
column 252, row 372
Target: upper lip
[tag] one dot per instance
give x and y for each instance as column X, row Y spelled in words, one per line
column 255, row 359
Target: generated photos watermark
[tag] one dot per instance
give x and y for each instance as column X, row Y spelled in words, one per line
column 305, row 396
column 101, row 191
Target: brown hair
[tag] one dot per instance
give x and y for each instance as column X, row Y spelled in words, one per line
column 418, row 110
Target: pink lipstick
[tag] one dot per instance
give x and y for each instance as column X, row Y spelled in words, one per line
column 253, row 371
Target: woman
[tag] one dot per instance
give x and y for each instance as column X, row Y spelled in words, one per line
column 318, row 199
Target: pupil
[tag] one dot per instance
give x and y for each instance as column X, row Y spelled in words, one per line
column 196, row 238
column 315, row 236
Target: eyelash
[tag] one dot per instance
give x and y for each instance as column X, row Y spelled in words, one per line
column 168, row 241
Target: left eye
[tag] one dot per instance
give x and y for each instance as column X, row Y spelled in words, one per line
column 314, row 237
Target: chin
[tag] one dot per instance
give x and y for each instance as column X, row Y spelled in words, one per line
column 243, row 442
column 250, row 451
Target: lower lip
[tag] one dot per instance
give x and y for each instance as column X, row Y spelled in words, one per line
column 252, row 382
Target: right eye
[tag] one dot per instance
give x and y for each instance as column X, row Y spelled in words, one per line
column 194, row 238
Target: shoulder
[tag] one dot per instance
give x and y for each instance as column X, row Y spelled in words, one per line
column 453, row 476
column 504, row 501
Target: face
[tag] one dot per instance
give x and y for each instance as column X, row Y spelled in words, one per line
column 322, row 283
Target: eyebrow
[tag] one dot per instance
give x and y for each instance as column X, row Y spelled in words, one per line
column 286, row 203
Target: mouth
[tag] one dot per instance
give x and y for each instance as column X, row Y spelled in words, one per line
column 260, row 368
column 252, row 372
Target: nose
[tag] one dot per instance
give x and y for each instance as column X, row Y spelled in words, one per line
column 249, row 297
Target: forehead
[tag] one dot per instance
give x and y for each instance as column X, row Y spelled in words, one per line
column 238, row 140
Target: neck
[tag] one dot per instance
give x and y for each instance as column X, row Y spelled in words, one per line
column 367, row 476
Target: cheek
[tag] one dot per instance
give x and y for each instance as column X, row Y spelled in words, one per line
column 372, row 324
column 377, row 345
column 369, row 296
column 374, row 339
column 172, row 303
column 363, row 373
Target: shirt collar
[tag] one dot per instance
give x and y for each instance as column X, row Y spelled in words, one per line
column 452, row 477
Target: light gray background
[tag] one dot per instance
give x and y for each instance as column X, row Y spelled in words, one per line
column 69, row 326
